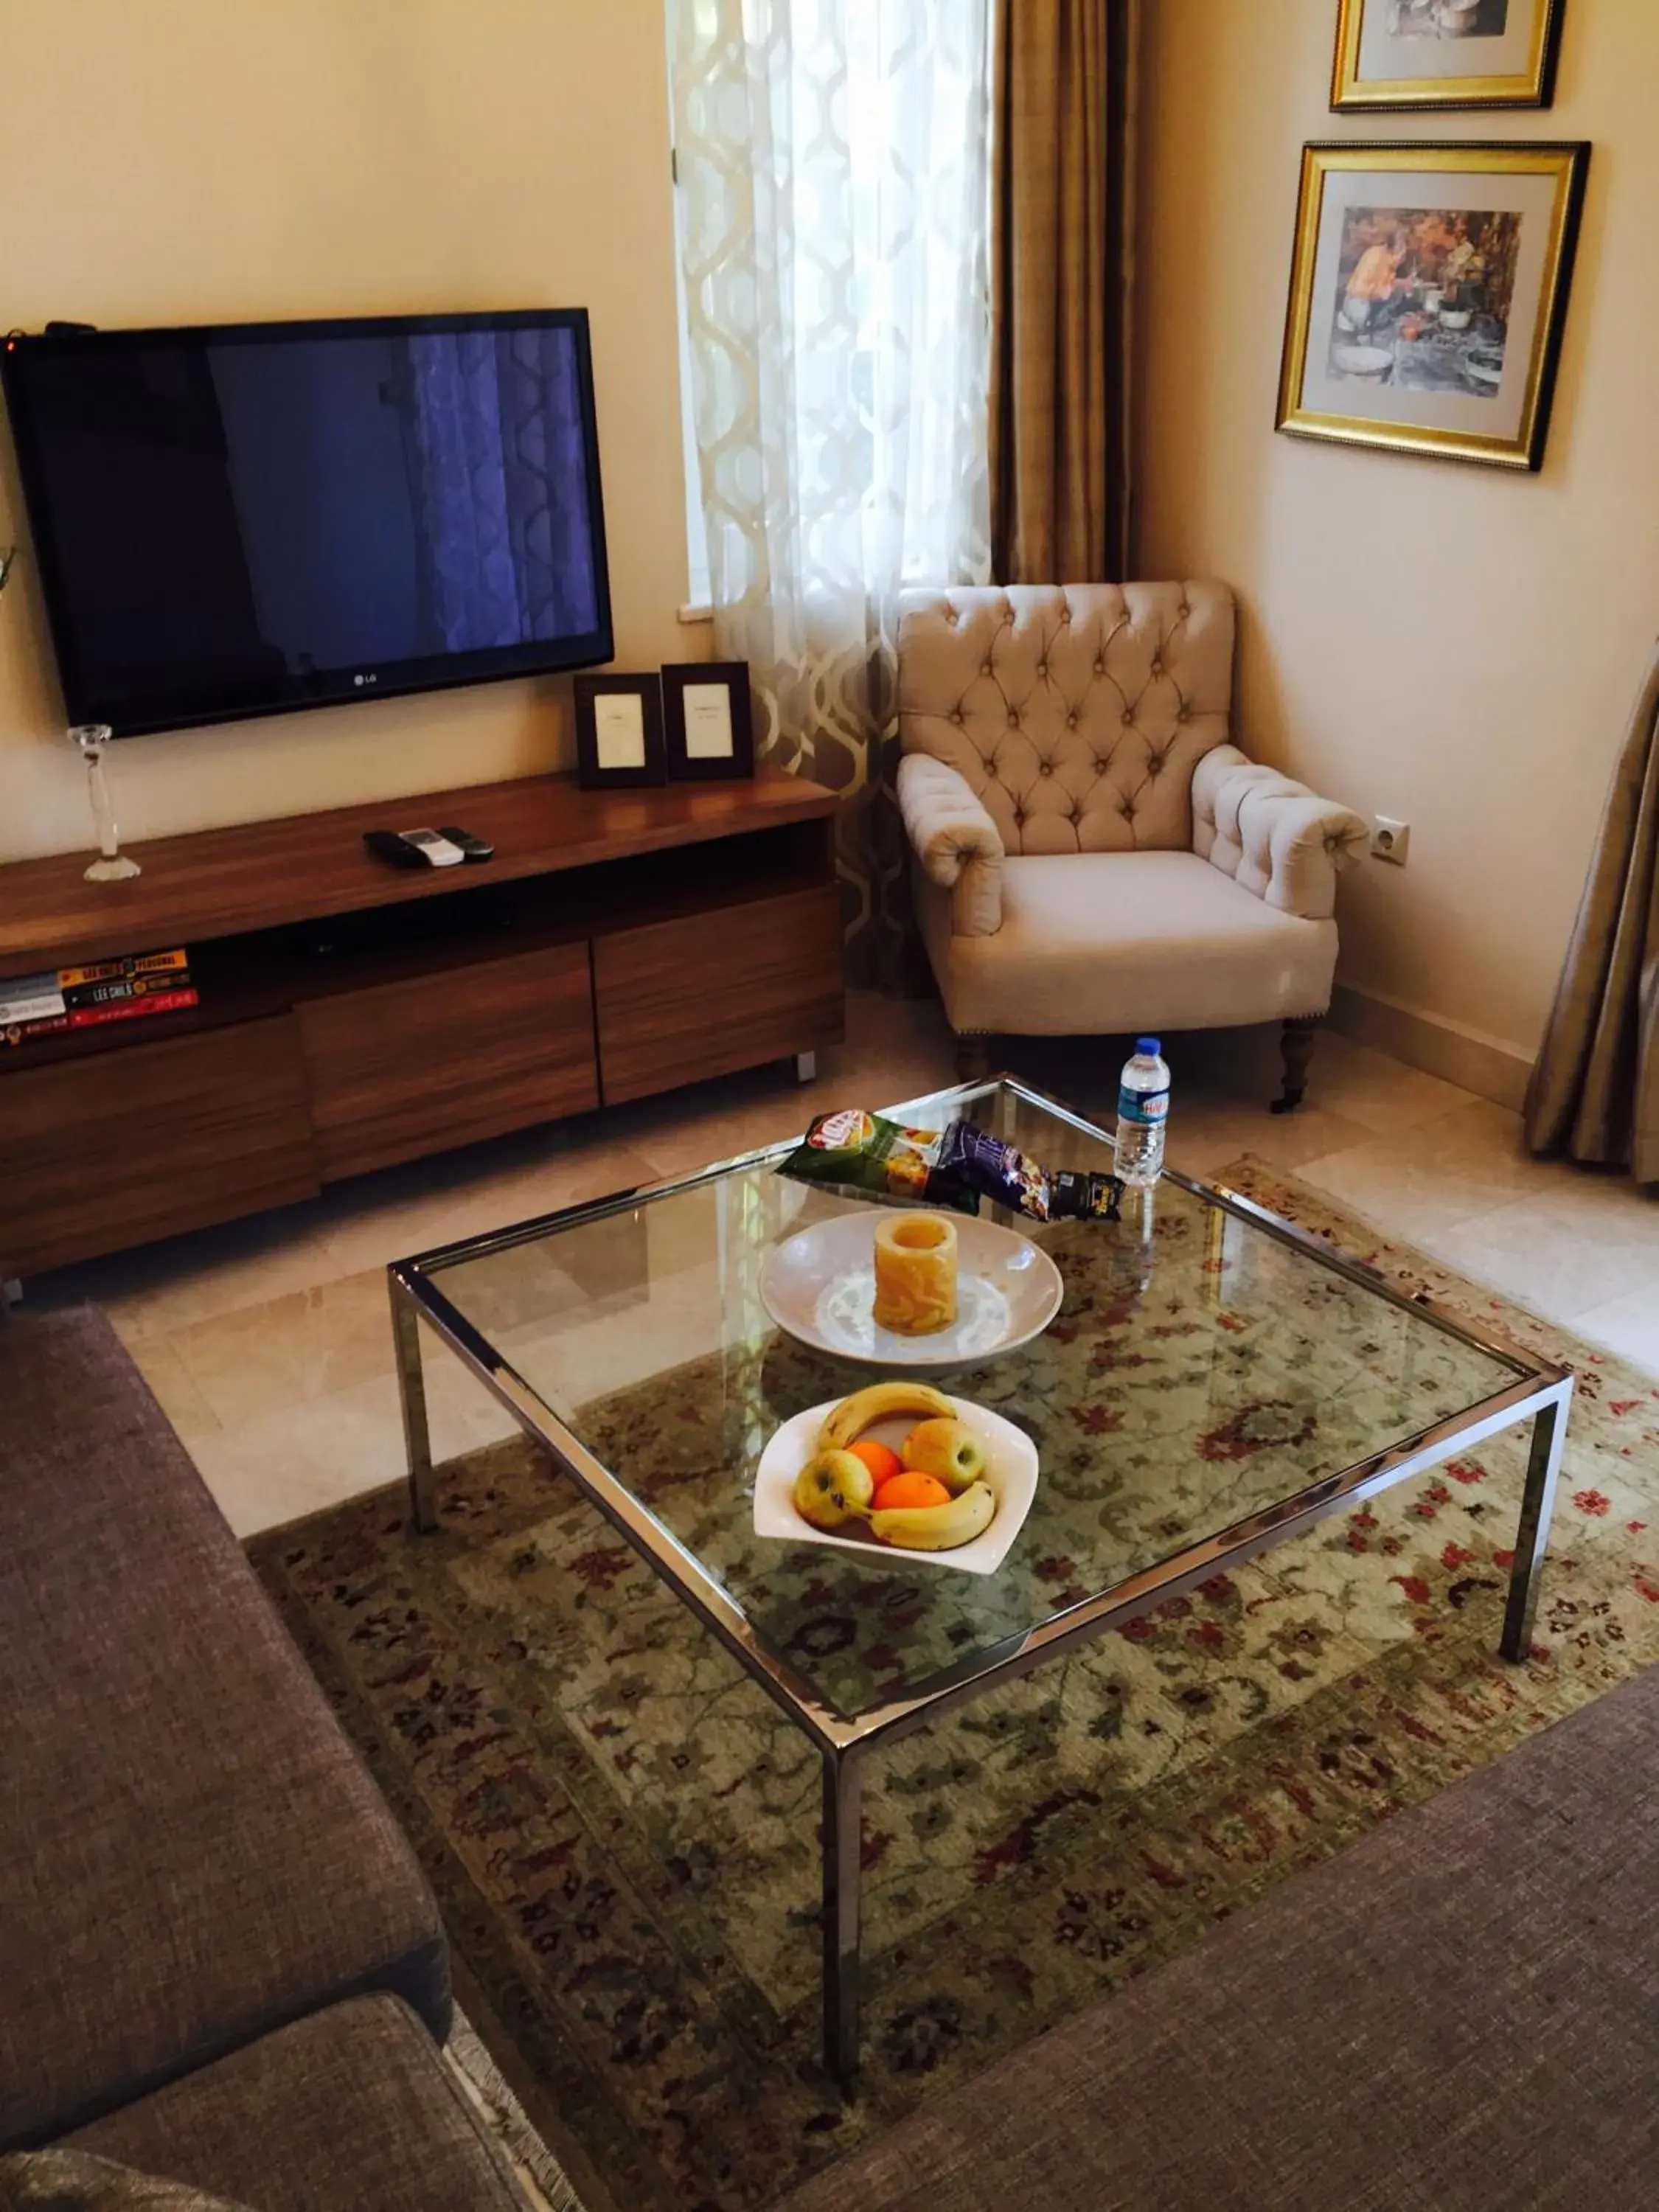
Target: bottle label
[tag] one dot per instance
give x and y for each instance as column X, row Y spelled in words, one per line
column 1145, row 1109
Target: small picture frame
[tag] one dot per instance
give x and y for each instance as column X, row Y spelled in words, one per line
column 707, row 725
column 619, row 739
column 1403, row 54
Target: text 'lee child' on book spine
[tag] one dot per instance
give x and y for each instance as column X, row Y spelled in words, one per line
column 62, row 998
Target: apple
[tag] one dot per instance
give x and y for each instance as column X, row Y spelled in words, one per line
column 948, row 1448
column 834, row 1487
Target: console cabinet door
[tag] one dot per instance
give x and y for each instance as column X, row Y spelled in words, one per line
column 680, row 999
column 404, row 1069
column 121, row 1147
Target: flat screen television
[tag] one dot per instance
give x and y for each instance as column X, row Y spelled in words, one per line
column 251, row 518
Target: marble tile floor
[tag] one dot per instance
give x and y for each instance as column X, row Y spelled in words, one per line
column 267, row 1341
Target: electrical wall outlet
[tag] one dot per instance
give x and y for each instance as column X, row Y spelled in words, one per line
column 1390, row 841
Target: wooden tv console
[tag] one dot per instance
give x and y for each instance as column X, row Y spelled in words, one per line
column 352, row 1014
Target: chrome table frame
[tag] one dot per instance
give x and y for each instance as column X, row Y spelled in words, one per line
column 1542, row 1393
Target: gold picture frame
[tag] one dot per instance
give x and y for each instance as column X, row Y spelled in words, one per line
column 1428, row 298
column 1463, row 84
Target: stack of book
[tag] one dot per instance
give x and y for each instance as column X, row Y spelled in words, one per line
column 80, row 998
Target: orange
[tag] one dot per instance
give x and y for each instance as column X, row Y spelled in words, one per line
column 881, row 1462
column 910, row 1488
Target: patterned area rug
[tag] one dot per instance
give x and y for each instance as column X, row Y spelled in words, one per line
column 546, row 2185
column 622, row 1833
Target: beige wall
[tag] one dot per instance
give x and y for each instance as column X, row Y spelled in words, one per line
column 216, row 160
column 1454, row 646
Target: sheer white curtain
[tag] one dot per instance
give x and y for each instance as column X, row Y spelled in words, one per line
column 834, row 225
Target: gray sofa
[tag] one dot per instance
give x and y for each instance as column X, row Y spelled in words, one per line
column 220, row 1960
column 1460, row 2014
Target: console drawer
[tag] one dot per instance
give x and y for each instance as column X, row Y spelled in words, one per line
column 119, row 1148
column 677, row 1000
column 403, row 1069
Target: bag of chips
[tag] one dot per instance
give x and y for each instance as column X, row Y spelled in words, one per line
column 998, row 1171
column 863, row 1155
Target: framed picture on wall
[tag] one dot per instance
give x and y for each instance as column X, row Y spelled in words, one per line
column 1446, row 53
column 707, row 720
column 619, row 743
column 1428, row 297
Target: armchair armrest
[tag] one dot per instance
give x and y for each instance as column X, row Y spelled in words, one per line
column 956, row 841
column 1273, row 835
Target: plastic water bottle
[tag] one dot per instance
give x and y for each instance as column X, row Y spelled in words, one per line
column 1143, row 1108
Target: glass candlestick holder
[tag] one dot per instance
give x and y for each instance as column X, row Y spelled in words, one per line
column 112, row 865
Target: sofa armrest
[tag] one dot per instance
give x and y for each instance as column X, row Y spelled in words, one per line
column 259, row 1872
column 956, row 841
column 1271, row 835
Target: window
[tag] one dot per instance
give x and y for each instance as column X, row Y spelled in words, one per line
column 833, row 224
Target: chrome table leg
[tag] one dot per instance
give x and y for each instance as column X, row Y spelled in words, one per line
column 843, row 1792
column 1549, row 1436
column 806, row 1067
column 412, row 1391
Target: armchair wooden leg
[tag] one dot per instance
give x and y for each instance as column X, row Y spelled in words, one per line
column 973, row 1058
column 1296, row 1045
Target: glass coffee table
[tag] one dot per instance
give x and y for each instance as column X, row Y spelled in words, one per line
column 1217, row 1380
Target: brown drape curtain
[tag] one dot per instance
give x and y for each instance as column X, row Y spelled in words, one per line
column 1594, row 1092
column 1062, row 236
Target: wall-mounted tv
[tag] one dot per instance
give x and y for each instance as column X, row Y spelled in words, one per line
column 252, row 517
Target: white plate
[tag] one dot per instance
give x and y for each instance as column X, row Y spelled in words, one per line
column 820, row 1287
column 1011, row 1470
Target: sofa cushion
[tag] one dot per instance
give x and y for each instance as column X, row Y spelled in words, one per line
column 190, row 1852
column 1460, row 2012
column 1099, row 942
column 351, row 2111
column 75, row 2181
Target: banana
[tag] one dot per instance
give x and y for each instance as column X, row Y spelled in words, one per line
column 878, row 1401
column 937, row 1527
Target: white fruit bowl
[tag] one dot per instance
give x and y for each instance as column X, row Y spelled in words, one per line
column 1011, row 1470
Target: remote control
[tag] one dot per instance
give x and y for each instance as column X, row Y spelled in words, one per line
column 386, row 845
column 413, row 848
column 471, row 847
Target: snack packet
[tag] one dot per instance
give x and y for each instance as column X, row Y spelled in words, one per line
column 998, row 1170
column 863, row 1156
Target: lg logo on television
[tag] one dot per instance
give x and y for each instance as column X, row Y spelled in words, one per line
column 361, row 680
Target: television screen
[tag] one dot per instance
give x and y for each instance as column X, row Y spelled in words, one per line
column 250, row 519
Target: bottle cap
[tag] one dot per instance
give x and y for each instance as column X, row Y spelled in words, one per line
column 1150, row 1046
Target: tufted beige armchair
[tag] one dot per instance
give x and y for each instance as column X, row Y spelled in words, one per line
column 1092, row 854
